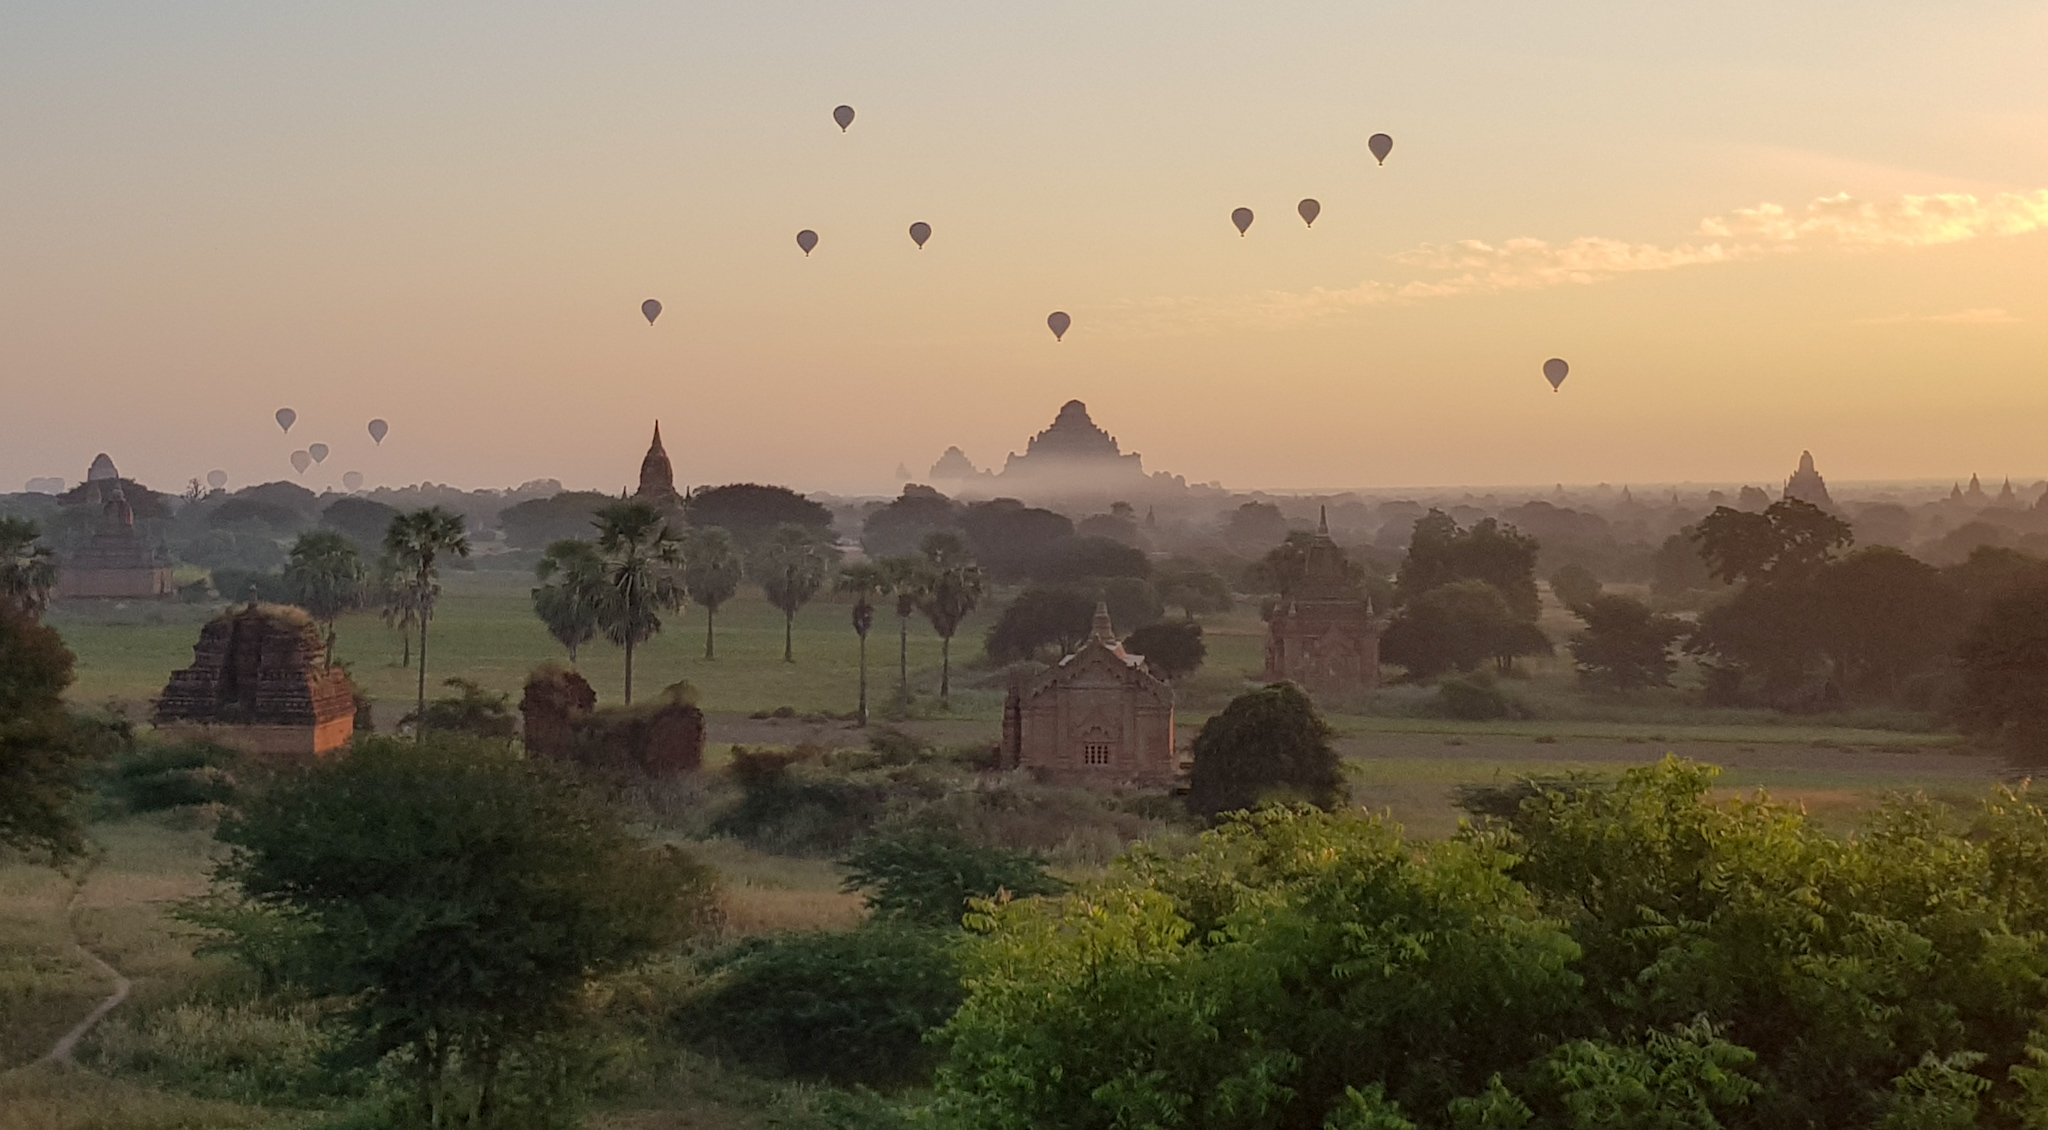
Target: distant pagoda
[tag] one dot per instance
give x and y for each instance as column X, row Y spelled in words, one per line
column 1074, row 448
column 1806, row 485
column 657, row 476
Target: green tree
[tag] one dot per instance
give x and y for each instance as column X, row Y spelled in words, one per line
column 28, row 568
column 1175, row 651
column 931, row 876
column 571, row 592
column 752, row 513
column 398, row 602
column 908, row 579
column 457, row 901
column 711, row 575
column 953, row 586
column 1574, row 585
column 865, row 582
column 1789, row 541
column 791, row 567
column 39, row 756
column 1040, row 617
column 1458, row 626
column 415, row 544
column 1192, row 587
column 1267, row 745
column 1625, row 645
column 325, row 576
column 471, row 710
column 2005, row 672
column 1440, row 553
column 639, row 558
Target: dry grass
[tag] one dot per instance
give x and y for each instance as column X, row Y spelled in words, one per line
column 762, row 893
column 43, row 1097
column 44, row 988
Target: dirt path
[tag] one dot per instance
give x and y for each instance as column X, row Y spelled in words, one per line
column 61, row 1052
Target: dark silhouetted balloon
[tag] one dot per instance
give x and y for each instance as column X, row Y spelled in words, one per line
column 301, row 461
column 286, row 418
column 1059, row 322
column 1242, row 218
column 652, row 309
column 919, row 232
column 807, row 239
column 318, row 451
column 216, row 479
column 378, row 430
column 1309, row 210
column 352, row 480
column 1554, row 371
column 843, row 115
column 1381, row 145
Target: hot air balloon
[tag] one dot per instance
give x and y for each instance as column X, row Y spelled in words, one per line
column 807, row 239
column 352, row 480
column 919, row 232
column 652, row 309
column 1381, row 145
column 843, row 115
column 1058, row 321
column 301, row 461
column 378, row 430
column 216, row 479
column 1243, row 219
column 318, row 451
column 1309, row 210
column 286, row 418
column 1554, row 371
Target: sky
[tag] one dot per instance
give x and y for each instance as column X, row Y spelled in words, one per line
column 1751, row 228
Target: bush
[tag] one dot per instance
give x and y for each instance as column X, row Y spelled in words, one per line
column 156, row 777
column 471, row 710
column 235, row 585
column 1474, row 698
column 1267, row 745
column 927, row 876
column 1173, row 650
column 804, row 802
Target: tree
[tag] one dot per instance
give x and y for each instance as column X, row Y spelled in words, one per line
column 1883, row 617
column 325, row 575
column 791, row 567
column 2005, row 672
column 1077, row 559
column 930, row 876
column 1175, row 651
column 1575, row 586
column 1441, row 554
column 899, row 527
column 908, row 579
column 1625, row 646
column 639, row 557
column 1788, row 541
column 415, row 544
column 1269, row 744
column 1192, row 587
column 39, row 756
column 540, row 522
column 752, row 513
column 1459, row 626
column 953, row 586
column 398, row 602
column 363, row 520
column 865, row 582
column 28, row 568
column 471, row 710
column 1041, row 617
column 457, row 901
column 571, row 590
column 711, row 574
column 1677, row 570
column 1011, row 540
column 1254, row 527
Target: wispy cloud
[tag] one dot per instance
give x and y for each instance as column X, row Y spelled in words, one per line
column 1985, row 317
column 1841, row 223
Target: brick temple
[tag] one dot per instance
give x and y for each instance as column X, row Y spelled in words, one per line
column 259, row 682
column 1099, row 716
column 1324, row 635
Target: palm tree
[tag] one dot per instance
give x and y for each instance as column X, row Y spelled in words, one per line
column 571, row 576
column 791, row 569
column 639, row 560
column 906, row 576
column 864, row 581
column 952, row 588
column 414, row 544
column 711, row 574
column 28, row 568
column 399, row 605
column 325, row 576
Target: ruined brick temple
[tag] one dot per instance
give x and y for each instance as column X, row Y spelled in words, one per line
column 1099, row 716
column 259, row 682
column 117, row 560
column 658, row 738
column 1324, row 635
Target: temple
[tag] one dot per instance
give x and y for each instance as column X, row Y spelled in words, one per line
column 1074, row 448
column 657, row 476
column 1097, row 717
column 259, row 682
column 1323, row 635
column 1806, row 485
column 117, row 561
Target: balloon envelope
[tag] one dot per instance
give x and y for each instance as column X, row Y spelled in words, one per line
column 919, row 232
column 318, row 451
column 652, row 309
column 216, row 479
column 843, row 115
column 353, row 480
column 1554, row 371
column 807, row 239
column 378, row 430
column 1058, row 322
column 1309, row 210
column 301, row 461
column 1381, row 145
column 1242, row 218
column 286, row 418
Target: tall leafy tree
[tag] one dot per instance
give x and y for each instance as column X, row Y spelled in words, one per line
column 325, row 576
column 416, row 543
column 38, row 754
column 1440, row 553
column 28, row 568
column 1625, row 645
column 571, row 576
column 953, row 586
column 791, row 567
column 866, row 583
column 641, row 557
column 1789, row 541
column 712, row 570
column 907, row 580
column 2005, row 672
column 1268, row 744
column 398, row 602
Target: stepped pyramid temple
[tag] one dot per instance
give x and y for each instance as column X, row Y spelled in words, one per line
column 1806, row 485
column 1074, row 447
column 259, row 682
column 117, row 561
column 1323, row 634
column 657, row 477
column 1098, row 717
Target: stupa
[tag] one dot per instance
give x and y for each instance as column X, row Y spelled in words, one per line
column 657, row 477
column 1806, row 485
column 259, row 682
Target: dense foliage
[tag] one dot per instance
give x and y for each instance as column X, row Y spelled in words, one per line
column 925, row 876
column 1625, row 645
column 1267, row 745
column 39, row 747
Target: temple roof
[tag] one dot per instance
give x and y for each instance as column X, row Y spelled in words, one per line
column 657, row 476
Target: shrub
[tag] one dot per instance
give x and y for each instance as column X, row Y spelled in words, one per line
column 1172, row 650
column 1267, row 745
column 156, row 777
column 927, row 876
column 802, row 802
column 471, row 710
column 1475, row 697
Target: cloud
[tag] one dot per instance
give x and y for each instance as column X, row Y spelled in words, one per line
column 1985, row 317
column 1841, row 223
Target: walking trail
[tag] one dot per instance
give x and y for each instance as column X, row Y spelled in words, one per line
column 60, row 1053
